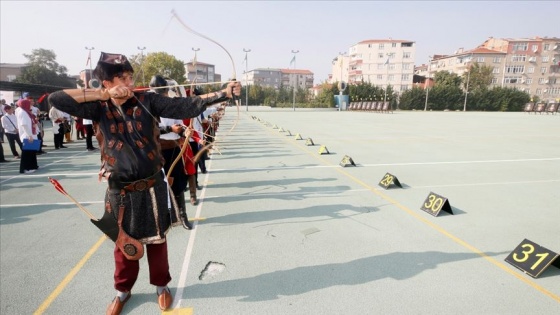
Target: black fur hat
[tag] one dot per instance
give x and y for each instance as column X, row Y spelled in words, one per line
column 157, row 81
column 111, row 65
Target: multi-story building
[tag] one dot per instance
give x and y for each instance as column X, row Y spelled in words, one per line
column 383, row 62
column 201, row 72
column 276, row 78
column 303, row 79
column 265, row 77
column 9, row 71
column 339, row 69
column 531, row 65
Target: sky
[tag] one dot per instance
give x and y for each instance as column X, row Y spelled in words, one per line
column 319, row 30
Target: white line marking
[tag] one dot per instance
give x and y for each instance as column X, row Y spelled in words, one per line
column 387, row 164
column 181, row 284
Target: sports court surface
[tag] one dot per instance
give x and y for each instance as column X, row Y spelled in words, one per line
column 286, row 230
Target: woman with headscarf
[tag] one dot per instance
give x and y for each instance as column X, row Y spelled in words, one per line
column 28, row 129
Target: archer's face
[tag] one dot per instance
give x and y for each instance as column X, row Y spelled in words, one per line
column 124, row 79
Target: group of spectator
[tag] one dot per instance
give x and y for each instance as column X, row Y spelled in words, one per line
column 24, row 120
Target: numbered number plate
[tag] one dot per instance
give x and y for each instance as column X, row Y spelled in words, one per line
column 531, row 258
column 434, row 203
column 389, row 179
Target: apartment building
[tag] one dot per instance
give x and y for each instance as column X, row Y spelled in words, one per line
column 531, row 65
column 201, row 72
column 340, row 68
column 265, row 77
column 276, row 78
column 303, row 79
column 383, row 62
column 10, row 71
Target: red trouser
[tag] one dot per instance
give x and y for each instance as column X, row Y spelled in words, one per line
column 126, row 271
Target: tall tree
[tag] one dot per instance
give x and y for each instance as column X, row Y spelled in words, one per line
column 446, row 78
column 45, row 58
column 480, row 77
column 160, row 63
column 42, row 68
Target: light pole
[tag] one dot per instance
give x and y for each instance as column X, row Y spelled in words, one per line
column 386, row 77
column 194, row 68
column 428, row 83
column 142, row 64
column 294, row 103
column 468, row 79
column 88, row 83
column 247, row 51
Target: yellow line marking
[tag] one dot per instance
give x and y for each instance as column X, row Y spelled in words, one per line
column 436, row 227
column 197, row 219
column 56, row 292
column 179, row 311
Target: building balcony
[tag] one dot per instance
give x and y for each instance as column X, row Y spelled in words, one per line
column 354, row 62
column 355, row 72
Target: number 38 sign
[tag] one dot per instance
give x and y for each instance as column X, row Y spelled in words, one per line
column 532, row 258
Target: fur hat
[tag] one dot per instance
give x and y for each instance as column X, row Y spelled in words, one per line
column 157, row 81
column 111, row 65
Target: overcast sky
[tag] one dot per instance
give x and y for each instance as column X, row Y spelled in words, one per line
column 271, row 29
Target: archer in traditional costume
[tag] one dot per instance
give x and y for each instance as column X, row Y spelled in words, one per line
column 137, row 199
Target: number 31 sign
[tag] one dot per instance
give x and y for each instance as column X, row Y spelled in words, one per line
column 532, row 258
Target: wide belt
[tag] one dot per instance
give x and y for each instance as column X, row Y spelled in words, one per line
column 139, row 185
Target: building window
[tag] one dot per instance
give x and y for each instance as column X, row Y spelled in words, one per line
column 479, row 59
column 381, row 46
column 546, row 47
column 406, row 55
column 497, row 60
column 545, row 58
column 531, row 70
column 494, row 80
column 520, row 46
column 534, row 47
column 380, row 56
column 404, row 87
column 11, row 77
column 554, row 91
column 394, row 45
column 529, row 81
column 515, row 69
column 405, row 77
column 512, row 79
column 380, row 66
column 406, row 66
column 391, row 66
column 390, row 77
column 538, row 92
column 543, row 70
column 496, row 70
column 518, row 58
column 541, row 80
column 379, row 77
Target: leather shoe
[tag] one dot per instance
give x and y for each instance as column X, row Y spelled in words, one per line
column 116, row 306
column 165, row 299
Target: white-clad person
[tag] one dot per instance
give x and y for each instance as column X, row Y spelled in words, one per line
column 28, row 129
column 9, row 125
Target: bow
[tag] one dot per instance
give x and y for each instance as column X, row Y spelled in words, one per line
column 233, row 77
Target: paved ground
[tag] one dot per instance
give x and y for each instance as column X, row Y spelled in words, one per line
column 289, row 231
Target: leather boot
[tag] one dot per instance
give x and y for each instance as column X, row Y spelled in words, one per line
column 183, row 211
column 192, row 189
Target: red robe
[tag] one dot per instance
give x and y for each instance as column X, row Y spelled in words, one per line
column 188, row 156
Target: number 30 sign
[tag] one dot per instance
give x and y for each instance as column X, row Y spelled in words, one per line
column 434, row 203
column 532, row 258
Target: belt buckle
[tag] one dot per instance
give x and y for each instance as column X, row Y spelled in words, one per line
column 141, row 185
